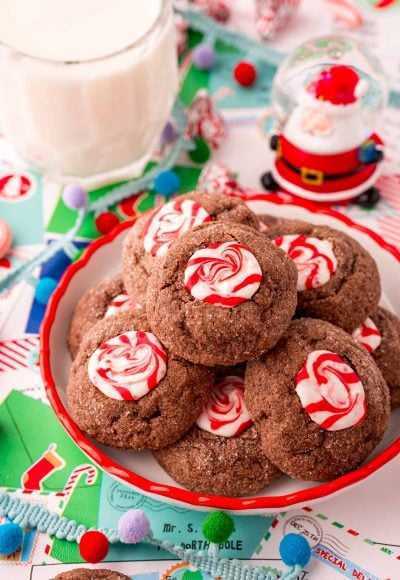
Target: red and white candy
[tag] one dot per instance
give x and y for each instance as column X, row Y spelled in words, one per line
column 218, row 178
column 225, row 413
column 204, row 120
column 224, row 274
column 330, row 392
column 171, row 221
column 273, row 15
column 369, row 335
column 5, row 238
column 128, row 366
column 121, row 303
column 314, row 258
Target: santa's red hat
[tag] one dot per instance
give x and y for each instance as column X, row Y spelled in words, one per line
column 338, row 85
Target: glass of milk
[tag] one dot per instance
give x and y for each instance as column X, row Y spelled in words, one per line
column 86, row 85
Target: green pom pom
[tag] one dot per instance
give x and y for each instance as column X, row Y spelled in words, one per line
column 189, row 575
column 201, row 153
column 217, row 527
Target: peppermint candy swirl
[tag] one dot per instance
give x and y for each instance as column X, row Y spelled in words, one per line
column 223, row 274
column 314, row 258
column 369, row 335
column 169, row 222
column 120, row 303
column 225, row 413
column 128, row 366
column 330, row 392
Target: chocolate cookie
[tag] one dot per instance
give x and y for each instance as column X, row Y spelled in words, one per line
column 223, row 294
column 338, row 280
column 318, row 401
column 380, row 335
column 273, row 226
column 105, row 299
column 86, row 574
column 126, row 390
column 152, row 234
column 222, row 453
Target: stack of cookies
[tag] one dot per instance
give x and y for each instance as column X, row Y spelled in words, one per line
column 238, row 348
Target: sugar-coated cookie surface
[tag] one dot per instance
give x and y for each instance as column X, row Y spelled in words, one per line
column 318, row 400
column 222, row 295
column 126, row 390
column 274, row 226
column 338, row 280
column 152, row 234
column 380, row 335
column 86, row 574
column 105, row 299
column 221, row 454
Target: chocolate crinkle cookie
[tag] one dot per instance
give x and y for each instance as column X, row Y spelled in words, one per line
column 222, row 453
column 273, row 226
column 338, row 281
column 380, row 335
column 318, row 400
column 107, row 298
column 222, row 295
column 153, row 234
column 127, row 390
column 90, row 574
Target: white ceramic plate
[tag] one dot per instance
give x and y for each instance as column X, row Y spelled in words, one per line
column 139, row 469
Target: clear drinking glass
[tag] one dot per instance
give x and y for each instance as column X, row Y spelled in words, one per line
column 95, row 117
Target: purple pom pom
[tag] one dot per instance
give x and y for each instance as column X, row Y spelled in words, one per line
column 74, row 196
column 133, row 527
column 204, row 56
column 168, row 135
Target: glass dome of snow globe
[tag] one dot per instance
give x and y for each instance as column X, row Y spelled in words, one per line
column 317, row 58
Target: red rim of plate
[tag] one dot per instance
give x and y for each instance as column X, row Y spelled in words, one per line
column 303, row 497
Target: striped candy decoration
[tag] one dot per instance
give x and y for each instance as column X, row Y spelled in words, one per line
column 314, row 259
column 273, row 15
column 345, row 12
column 369, row 335
column 15, row 354
column 171, row 221
column 223, row 274
column 330, row 392
column 120, row 303
column 225, row 413
column 128, row 366
column 218, row 178
column 217, row 9
column 204, row 120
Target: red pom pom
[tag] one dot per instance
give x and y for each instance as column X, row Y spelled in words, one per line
column 93, row 547
column 106, row 221
column 245, row 73
column 337, row 85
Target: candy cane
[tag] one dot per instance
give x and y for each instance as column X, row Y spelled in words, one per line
column 91, row 475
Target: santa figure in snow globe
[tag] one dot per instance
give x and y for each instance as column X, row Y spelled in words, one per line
column 326, row 98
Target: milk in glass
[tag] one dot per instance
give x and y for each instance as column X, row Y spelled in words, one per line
column 86, row 85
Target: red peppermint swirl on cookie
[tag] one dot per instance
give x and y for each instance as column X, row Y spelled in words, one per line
column 171, row 221
column 223, row 274
column 128, row 366
column 369, row 335
column 225, row 413
column 120, row 303
column 330, row 392
column 314, row 258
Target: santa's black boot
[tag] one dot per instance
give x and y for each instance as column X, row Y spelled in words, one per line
column 268, row 182
column 368, row 198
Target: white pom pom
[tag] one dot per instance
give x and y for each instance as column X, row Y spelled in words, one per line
column 362, row 88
